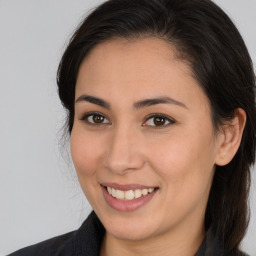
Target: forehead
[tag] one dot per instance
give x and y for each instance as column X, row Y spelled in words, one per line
column 137, row 68
column 149, row 45
column 143, row 54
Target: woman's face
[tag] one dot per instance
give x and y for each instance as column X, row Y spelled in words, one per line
column 143, row 143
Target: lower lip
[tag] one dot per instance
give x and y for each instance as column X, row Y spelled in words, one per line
column 127, row 205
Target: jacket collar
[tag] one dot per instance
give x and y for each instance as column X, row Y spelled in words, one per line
column 89, row 236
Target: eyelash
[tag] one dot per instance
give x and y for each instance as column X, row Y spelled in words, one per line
column 156, row 115
column 91, row 114
column 151, row 116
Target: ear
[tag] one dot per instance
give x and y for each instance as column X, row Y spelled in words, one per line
column 230, row 138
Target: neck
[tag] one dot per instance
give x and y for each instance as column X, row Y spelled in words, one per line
column 183, row 242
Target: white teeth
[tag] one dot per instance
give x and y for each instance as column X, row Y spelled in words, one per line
column 137, row 193
column 145, row 192
column 150, row 190
column 120, row 194
column 129, row 194
column 113, row 192
column 109, row 190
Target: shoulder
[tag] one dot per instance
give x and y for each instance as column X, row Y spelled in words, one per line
column 60, row 245
column 239, row 253
column 84, row 241
column 212, row 246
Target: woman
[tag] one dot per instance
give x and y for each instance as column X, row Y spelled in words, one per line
column 161, row 116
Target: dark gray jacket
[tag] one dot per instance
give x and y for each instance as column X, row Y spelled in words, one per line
column 87, row 239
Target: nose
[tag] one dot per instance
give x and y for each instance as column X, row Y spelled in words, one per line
column 124, row 153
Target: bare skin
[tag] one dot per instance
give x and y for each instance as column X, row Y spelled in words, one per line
column 169, row 144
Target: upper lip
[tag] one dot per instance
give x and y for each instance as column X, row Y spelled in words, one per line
column 125, row 187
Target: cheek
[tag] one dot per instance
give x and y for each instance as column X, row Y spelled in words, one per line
column 86, row 155
column 185, row 166
column 85, row 151
column 183, row 159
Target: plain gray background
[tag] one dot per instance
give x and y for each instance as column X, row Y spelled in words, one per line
column 39, row 194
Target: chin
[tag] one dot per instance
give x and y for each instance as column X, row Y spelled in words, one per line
column 131, row 235
column 130, row 230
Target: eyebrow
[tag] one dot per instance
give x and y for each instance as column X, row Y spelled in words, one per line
column 93, row 100
column 136, row 105
column 155, row 101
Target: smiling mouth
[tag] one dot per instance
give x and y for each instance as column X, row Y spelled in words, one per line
column 128, row 197
column 129, row 194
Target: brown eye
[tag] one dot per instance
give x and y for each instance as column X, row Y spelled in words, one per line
column 158, row 121
column 95, row 119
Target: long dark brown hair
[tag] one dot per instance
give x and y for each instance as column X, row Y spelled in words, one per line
column 206, row 38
